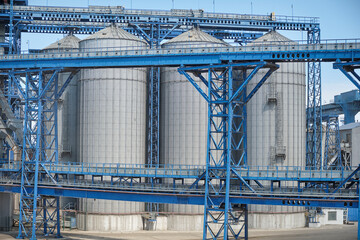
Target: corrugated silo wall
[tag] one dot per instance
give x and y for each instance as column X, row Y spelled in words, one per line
column 276, row 123
column 6, row 199
column 183, row 135
column 112, row 130
column 68, row 116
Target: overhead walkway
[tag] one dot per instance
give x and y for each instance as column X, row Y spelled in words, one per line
column 328, row 51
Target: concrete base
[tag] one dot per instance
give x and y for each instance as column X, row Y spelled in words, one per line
column 276, row 220
column 109, row 223
column 159, row 225
column 173, row 222
column 185, row 222
column 314, row 225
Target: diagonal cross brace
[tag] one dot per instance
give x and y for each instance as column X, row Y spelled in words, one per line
column 347, row 179
column 67, row 82
column 243, row 181
column 48, row 173
column 273, row 68
column 51, row 80
column 192, row 81
column 247, row 80
column 345, row 68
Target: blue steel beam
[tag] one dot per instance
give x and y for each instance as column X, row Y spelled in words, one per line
column 239, row 36
column 177, row 57
column 265, row 173
column 173, row 198
column 100, row 16
column 349, row 68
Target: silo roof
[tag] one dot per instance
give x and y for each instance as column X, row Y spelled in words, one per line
column 113, row 32
column 68, row 42
column 271, row 37
column 195, row 35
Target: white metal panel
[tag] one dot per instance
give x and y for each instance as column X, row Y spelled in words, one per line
column 112, row 116
column 183, row 125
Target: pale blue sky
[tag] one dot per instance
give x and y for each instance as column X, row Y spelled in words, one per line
column 339, row 19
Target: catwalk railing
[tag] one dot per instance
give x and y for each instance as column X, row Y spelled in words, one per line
column 327, row 51
column 263, row 181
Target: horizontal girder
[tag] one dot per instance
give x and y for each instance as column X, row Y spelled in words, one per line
column 327, row 52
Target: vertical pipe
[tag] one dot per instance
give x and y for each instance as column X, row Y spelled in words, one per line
column 207, row 156
column 37, row 155
column 246, row 221
column 23, row 159
column 228, row 148
column 44, row 217
column 58, row 233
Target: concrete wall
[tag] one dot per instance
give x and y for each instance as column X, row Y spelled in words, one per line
column 276, row 220
column 109, row 223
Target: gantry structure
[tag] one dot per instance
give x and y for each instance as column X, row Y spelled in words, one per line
column 226, row 184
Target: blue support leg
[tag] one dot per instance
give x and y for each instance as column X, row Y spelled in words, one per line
column 226, row 143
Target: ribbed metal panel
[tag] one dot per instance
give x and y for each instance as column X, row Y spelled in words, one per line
column 68, row 104
column 112, row 115
column 276, row 124
column 183, row 125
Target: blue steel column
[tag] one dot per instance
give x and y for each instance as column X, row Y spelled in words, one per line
column 11, row 27
column 39, row 141
column 30, row 158
column 359, row 216
column 226, row 147
column 332, row 158
column 153, row 140
column 313, row 116
column 49, row 148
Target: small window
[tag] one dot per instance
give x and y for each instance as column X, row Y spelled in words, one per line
column 332, row 216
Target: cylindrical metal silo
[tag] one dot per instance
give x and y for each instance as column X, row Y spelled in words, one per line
column 68, row 103
column 183, row 125
column 276, row 130
column 112, row 127
column 67, row 110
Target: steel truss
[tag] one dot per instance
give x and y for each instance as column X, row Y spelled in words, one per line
column 348, row 69
column 332, row 158
column 226, row 144
column 313, row 114
column 40, row 91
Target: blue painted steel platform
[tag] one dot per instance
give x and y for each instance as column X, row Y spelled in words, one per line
column 327, row 51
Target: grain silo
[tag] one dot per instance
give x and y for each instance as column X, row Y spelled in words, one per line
column 276, row 130
column 183, row 125
column 68, row 102
column 112, row 127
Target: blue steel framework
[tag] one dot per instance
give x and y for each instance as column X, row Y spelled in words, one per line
column 347, row 103
column 159, row 25
column 332, row 158
column 226, row 143
column 40, row 146
column 220, row 204
column 314, row 98
column 348, row 69
column 313, row 114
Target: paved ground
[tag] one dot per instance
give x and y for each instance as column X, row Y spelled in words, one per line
column 330, row 232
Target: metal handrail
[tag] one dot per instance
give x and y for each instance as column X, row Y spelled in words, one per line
column 106, row 52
